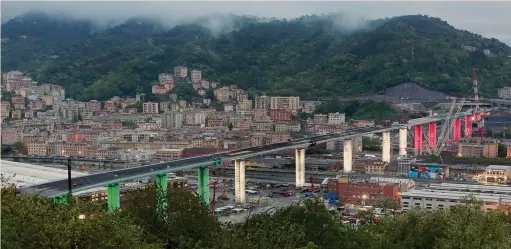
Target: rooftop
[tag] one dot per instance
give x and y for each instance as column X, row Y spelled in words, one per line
column 456, row 195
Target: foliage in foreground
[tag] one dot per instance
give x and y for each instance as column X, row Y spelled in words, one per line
column 31, row 222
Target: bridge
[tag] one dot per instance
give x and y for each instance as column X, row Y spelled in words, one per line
column 59, row 189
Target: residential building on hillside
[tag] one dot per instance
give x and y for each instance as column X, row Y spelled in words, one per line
column 181, row 72
column 336, row 118
column 196, row 76
column 262, row 102
column 505, row 93
column 150, row 107
column 287, row 103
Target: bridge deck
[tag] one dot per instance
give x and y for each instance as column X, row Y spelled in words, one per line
column 58, row 188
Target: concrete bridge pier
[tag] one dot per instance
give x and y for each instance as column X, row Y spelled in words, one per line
column 113, row 195
column 300, row 167
column 161, row 194
column 203, row 184
column 432, row 135
column 239, row 182
column 417, row 139
column 348, row 156
column 468, row 126
column 386, row 149
column 456, row 133
column 403, row 141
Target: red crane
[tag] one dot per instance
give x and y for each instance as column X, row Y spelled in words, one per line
column 213, row 185
column 213, row 202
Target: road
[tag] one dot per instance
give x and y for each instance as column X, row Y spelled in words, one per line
column 52, row 189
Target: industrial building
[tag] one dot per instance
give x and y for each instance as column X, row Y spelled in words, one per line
column 442, row 196
column 365, row 191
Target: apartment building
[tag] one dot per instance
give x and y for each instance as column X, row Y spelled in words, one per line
column 150, row 107
column 168, row 154
column 181, row 72
column 5, row 110
column 222, row 94
column 262, row 102
column 281, row 115
column 245, row 105
column 37, row 148
column 196, row 76
column 172, row 120
column 18, row 102
column 336, row 118
column 287, row 103
column 164, row 78
column 504, row 93
column 478, row 147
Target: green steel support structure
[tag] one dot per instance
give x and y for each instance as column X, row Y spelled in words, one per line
column 60, row 199
column 114, row 199
column 203, row 184
column 161, row 188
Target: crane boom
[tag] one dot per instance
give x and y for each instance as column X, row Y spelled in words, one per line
column 443, row 132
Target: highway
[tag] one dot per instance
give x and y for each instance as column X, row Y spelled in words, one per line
column 58, row 188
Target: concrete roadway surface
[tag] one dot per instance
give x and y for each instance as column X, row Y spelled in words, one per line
column 58, row 187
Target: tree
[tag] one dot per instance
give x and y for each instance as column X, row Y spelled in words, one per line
column 33, row 222
column 19, row 146
column 184, row 212
column 386, row 203
column 230, row 126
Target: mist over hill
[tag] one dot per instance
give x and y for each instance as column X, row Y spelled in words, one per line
column 310, row 56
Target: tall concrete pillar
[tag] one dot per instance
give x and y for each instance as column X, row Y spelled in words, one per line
column 456, row 133
column 386, row 149
column 239, row 182
column 348, row 156
column 417, row 139
column 468, row 126
column 432, row 135
column 300, row 167
column 403, row 141
column 113, row 197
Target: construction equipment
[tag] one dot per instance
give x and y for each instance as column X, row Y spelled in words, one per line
column 448, row 126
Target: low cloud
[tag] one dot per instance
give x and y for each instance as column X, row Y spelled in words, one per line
column 490, row 19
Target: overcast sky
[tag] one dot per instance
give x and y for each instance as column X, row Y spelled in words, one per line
column 490, row 19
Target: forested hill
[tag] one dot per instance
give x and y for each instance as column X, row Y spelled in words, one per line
column 309, row 56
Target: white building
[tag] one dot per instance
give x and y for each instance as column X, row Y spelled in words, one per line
column 336, row 118
column 196, row 75
column 505, row 93
column 433, row 199
column 285, row 103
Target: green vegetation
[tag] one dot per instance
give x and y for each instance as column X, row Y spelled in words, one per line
column 373, row 144
column 310, row 56
column 31, row 222
column 451, row 159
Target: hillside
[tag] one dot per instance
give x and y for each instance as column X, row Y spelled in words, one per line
column 310, row 56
